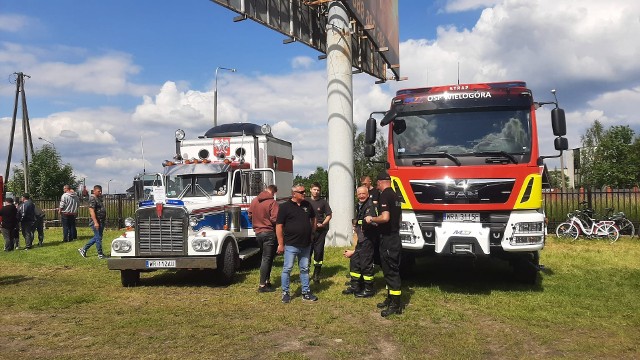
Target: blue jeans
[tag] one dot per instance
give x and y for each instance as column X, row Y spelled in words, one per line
column 96, row 239
column 290, row 253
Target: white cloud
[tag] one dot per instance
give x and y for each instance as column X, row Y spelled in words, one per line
column 13, row 22
column 62, row 68
column 302, row 62
column 453, row 6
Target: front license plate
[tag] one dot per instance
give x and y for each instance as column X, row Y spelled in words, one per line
column 161, row 263
column 468, row 217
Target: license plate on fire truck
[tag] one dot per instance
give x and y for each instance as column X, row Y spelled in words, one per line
column 464, row 217
column 161, row 263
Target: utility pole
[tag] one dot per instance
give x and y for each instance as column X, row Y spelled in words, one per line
column 26, row 129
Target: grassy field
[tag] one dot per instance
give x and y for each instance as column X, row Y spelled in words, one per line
column 55, row 304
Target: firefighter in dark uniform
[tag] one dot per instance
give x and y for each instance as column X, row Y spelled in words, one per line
column 361, row 263
column 374, row 194
column 388, row 228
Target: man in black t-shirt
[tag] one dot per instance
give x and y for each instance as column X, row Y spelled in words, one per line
column 294, row 226
column 388, row 222
column 323, row 216
column 374, row 195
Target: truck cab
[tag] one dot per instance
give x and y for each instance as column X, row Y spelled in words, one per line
column 465, row 162
column 197, row 218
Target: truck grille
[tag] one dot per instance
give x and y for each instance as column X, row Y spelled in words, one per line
column 165, row 235
column 463, row 191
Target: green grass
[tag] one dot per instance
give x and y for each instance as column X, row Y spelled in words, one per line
column 55, row 304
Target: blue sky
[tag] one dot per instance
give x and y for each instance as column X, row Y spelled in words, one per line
column 105, row 75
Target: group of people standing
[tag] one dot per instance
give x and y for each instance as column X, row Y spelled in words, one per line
column 25, row 218
column 298, row 227
column 30, row 219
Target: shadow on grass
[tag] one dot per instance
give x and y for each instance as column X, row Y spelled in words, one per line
column 466, row 276
column 182, row 278
column 13, row 279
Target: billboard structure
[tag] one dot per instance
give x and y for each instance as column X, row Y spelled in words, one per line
column 375, row 35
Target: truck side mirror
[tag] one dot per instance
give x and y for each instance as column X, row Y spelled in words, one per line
column 370, row 131
column 369, row 150
column 561, row 143
column 558, row 122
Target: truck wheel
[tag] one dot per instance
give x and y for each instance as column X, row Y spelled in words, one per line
column 227, row 263
column 526, row 267
column 130, row 278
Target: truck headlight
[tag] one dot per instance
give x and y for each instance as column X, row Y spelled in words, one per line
column 121, row 246
column 129, row 222
column 527, row 240
column 406, row 226
column 202, row 245
column 528, row 227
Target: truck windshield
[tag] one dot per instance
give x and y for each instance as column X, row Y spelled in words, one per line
column 463, row 134
column 203, row 185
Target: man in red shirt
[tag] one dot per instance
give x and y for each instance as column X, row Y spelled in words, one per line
column 263, row 213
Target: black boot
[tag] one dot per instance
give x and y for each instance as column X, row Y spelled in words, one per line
column 395, row 306
column 355, row 286
column 367, row 291
column 316, row 273
column 385, row 303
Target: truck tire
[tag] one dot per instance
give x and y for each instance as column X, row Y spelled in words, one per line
column 130, row 278
column 227, row 263
column 526, row 267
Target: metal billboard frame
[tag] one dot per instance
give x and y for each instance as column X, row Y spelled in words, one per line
column 375, row 47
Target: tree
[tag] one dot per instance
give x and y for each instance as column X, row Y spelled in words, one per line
column 47, row 175
column 368, row 166
column 362, row 165
column 609, row 157
column 555, row 177
column 320, row 176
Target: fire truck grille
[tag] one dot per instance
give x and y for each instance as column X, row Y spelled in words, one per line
column 165, row 235
column 463, row 191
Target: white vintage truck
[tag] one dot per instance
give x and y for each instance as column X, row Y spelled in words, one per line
column 198, row 218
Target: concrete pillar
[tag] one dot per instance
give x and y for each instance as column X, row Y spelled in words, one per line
column 340, row 125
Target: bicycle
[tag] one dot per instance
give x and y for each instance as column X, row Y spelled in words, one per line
column 624, row 225
column 576, row 227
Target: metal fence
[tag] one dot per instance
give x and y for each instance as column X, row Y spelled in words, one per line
column 119, row 207
column 556, row 203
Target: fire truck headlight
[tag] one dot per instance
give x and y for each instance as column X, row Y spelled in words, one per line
column 406, row 226
column 121, row 246
column 193, row 221
column 129, row 222
column 528, row 227
column 202, row 245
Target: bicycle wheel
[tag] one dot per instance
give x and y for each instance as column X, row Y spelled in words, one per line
column 608, row 231
column 567, row 230
column 625, row 227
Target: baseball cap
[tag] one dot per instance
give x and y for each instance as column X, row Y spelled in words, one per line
column 384, row 175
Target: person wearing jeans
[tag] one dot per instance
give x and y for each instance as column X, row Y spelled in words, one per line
column 294, row 228
column 303, row 254
column 98, row 220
